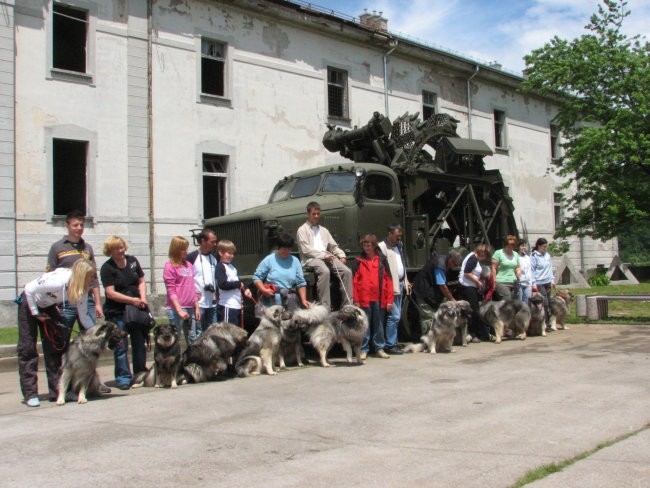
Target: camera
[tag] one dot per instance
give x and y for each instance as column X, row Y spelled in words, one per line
column 209, row 287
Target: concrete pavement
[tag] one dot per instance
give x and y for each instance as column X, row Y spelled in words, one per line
column 482, row 417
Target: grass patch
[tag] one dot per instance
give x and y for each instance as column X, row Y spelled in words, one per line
column 548, row 469
column 8, row 335
column 619, row 312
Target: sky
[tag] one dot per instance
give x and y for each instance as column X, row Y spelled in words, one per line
column 490, row 30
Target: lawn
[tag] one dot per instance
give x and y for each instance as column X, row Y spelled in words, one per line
column 619, row 312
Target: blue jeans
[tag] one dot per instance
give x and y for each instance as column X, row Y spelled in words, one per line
column 524, row 292
column 392, row 322
column 70, row 315
column 123, row 375
column 189, row 326
column 376, row 328
column 208, row 317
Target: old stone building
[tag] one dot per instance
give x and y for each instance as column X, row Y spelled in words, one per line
column 153, row 115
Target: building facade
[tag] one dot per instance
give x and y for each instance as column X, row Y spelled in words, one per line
column 154, row 115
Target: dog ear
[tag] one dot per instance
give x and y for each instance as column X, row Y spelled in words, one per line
column 100, row 329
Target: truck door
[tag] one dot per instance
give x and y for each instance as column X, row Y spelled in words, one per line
column 380, row 204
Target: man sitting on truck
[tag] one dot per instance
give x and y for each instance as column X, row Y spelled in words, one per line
column 319, row 250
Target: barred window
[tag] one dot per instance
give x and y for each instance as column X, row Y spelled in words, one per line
column 429, row 100
column 337, row 93
column 215, row 177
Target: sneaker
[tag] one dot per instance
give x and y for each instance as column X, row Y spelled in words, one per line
column 103, row 389
column 394, row 351
column 363, row 356
column 474, row 340
column 33, row 402
column 126, row 386
column 381, row 354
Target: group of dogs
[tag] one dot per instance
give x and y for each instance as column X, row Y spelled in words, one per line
column 225, row 349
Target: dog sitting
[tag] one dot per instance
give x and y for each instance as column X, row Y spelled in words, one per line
column 212, row 352
column 505, row 315
column 537, row 324
column 262, row 350
column 558, row 308
column 347, row 327
column 464, row 316
column 441, row 330
column 79, row 367
column 167, row 359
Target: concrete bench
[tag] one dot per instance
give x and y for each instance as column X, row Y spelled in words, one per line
column 595, row 307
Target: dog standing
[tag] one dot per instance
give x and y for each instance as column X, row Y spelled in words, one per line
column 80, row 361
column 506, row 314
column 212, row 351
column 441, row 331
column 167, row 359
column 537, row 325
column 464, row 316
column 558, row 309
column 347, row 327
column 262, row 350
column 300, row 321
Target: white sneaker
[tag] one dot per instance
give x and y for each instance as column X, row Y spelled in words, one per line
column 33, row 402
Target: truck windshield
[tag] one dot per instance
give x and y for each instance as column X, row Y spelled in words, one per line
column 304, row 187
column 282, row 191
column 339, row 183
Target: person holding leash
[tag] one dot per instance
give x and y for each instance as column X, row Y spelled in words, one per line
column 40, row 310
column 319, row 250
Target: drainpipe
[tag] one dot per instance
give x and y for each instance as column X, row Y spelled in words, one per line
column 393, row 43
column 582, row 239
column 152, row 247
column 469, row 102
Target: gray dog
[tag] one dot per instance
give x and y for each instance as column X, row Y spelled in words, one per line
column 347, row 327
column 537, row 325
column 262, row 350
column 212, row 352
column 441, row 331
column 79, row 367
column 167, row 359
column 558, row 308
column 513, row 315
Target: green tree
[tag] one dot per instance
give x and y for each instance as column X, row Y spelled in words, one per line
column 601, row 81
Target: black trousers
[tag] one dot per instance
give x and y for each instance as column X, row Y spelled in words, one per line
column 476, row 327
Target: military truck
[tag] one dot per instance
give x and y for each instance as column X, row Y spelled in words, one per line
column 420, row 174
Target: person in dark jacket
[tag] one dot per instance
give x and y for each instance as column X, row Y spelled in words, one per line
column 372, row 290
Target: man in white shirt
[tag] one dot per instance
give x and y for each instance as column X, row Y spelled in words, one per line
column 205, row 265
column 319, row 250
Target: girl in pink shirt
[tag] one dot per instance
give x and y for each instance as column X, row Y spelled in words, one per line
column 182, row 300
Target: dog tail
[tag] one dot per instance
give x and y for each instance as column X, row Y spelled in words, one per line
column 193, row 373
column 145, row 378
column 248, row 366
column 414, row 348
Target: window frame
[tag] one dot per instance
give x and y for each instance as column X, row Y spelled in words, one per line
column 60, row 74
column 558, row 210
column 432, row 105
column 554, row 135
column 500, row 125
column 345, row 85
column 224, row 100
column 221, row 175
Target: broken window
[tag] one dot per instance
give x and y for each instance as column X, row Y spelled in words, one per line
column 69, row 170
column 500, row 129
column 213, row 67
column 337, row 93
column 69, row 38
column 215, row 174
column 428, row 104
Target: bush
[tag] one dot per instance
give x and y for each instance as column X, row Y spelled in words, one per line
column 599, row 280
column 558, row 248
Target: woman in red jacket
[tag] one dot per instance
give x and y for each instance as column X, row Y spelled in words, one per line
column 372, row 288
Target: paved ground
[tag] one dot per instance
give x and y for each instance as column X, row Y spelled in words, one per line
column 481, row 417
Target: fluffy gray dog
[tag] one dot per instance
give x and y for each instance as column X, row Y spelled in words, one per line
column 506, row 314
column 537, row 325
column 347, row 327
column 262, row 350
column 79, row 367
column 294, row 326
column 212, row 352
column 441, row 331
column 558, row 308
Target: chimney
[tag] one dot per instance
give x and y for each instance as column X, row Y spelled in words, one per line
column 374, row 20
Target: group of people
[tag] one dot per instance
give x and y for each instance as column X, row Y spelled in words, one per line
column 508, row 273
column 203, row 287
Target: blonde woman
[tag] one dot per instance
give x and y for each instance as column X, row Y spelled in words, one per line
column 182, row 300
column 124, row 284
column 41, row 300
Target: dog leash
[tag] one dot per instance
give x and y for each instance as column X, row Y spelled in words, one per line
column 338, row 273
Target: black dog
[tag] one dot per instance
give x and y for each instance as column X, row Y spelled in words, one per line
column 167, row 358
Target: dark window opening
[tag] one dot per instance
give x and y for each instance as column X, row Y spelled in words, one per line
column 215, row 172
column 69, row 37
column 69, row 175
column 555, row 138
column 428, row 105
column 499, row 129
column 378, row 187
column 213, row 67
column 337, row 93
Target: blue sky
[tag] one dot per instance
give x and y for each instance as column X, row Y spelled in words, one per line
column 490, row 30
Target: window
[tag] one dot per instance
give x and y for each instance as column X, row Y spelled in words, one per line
column 558, row 209
column 555, row 142
column 500, row 129
column 305, row 186
column 69, row 38
column 337, row 93
column 429, row 100
column 69, row 170
column 378, row 187
column 215, row 173
column 213, row 67
column 339, row 183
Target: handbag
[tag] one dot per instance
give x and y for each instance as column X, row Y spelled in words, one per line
column 138, row 318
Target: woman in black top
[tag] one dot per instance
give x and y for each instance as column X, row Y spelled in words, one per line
column 123, row 281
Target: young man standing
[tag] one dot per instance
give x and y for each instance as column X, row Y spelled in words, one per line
column 319, row 250
column 393, row 249
column 205, row 266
